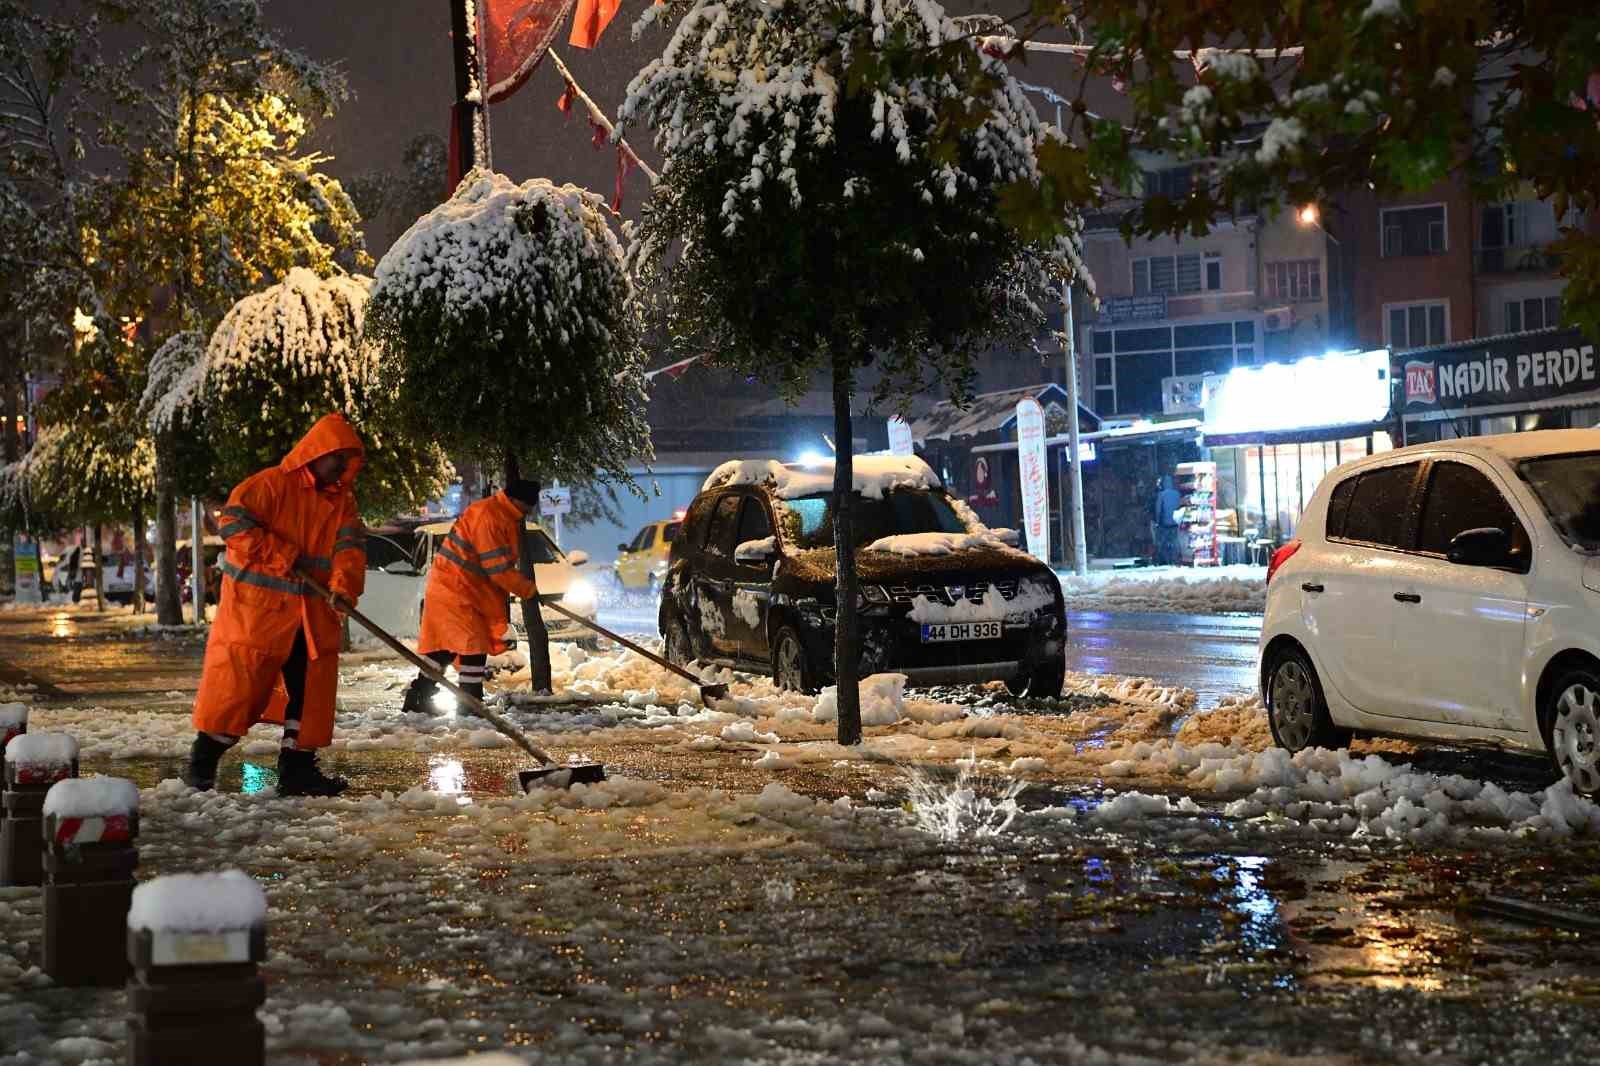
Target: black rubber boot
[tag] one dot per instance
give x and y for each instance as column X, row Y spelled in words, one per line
column 298, row 775
column 204, row 754
column 419, row 697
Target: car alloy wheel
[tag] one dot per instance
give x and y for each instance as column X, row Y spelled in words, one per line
column 788, row 663
column 1575, row 737
column 1294, row 703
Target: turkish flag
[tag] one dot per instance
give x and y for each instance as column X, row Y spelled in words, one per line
column 591, row 21
column 515, row 35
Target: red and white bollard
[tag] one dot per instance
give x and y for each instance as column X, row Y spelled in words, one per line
column 13, row 723
column 33, row 762
column 89, row 827
column 195, row 941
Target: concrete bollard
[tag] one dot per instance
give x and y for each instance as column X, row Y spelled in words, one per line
column 13, row 723
column 195, row 941
column 89, row 827
column 33, row 762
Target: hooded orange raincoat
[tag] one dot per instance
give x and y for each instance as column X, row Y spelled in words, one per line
column 273, row 520
column 464, row 609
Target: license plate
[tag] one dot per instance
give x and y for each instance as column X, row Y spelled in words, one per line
column 944, row 632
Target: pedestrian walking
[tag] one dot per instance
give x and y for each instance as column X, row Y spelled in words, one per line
column 465, row 609
column 273, row 653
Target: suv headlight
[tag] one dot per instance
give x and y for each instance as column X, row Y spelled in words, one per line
column 873, row 594
column 579, row 596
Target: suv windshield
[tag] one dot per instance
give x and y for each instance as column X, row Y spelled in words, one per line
column 901, row 511
column 1569, row 488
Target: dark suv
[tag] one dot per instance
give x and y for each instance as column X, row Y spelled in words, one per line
column 750, row 584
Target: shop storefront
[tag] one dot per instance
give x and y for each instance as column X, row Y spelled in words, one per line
column 1275, row 431
column 1546, row 379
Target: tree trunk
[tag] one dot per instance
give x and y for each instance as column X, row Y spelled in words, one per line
column 169, row 605
column 138, row 558
column 99, row 568
column 846, row 635
column 10, row 443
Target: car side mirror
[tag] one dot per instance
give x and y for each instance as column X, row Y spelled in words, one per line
column 622, row 547
column 756, row 552
column 1489, row 546
column 578, row 558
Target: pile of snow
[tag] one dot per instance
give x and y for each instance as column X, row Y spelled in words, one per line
column 883, row 701
column 871, row 475
column 912, row 545
column 1177, row 589
column 1031, row 597
column 91, row 797
column 41, row 751
column 198, row 903
column 1131, row 690
column 1239, row 720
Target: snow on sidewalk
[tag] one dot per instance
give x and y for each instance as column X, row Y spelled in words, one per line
column 1175, row 589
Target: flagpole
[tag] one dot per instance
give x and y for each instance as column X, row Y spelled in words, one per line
column 472, row 109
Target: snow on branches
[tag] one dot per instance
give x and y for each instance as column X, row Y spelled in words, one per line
column 173, row 387
column 505, row 316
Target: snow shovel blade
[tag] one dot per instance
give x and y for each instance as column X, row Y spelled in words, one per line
column 583, row 773
column 710, row 694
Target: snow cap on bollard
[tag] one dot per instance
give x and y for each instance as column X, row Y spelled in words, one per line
column 13, row 722
column 197, row 919
column 91, row 810
column 40, row 759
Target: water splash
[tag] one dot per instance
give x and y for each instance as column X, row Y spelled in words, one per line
column 972, row 806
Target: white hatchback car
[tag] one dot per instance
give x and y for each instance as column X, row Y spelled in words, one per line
column 1445, row 592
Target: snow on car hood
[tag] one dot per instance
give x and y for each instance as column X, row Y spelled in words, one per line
column 914, row 544
column 871, row 475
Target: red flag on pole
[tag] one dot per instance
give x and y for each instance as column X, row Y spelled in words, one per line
column 515, row 36
column 591, row 21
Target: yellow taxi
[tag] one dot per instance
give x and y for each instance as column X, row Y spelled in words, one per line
column 642, row 562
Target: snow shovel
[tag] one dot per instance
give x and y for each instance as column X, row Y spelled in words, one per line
column 708, row 693
column 549, row 773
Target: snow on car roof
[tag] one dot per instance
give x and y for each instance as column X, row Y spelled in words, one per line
column 872, row 476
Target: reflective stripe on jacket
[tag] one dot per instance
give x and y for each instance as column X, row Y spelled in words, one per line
column 475, row 568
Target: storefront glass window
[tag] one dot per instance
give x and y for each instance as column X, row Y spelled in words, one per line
column 1490, row 424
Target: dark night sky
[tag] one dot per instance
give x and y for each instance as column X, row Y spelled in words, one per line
column 396, row 56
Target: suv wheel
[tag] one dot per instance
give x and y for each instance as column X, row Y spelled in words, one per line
column 1296, row 709
column 680, row 652
column 791, row 670
column 1574, row 717
column 1045, row 682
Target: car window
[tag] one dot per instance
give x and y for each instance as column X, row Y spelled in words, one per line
column 639, row 540
column 1339, row 506
column 896, row 513
column 1377, row 511
column 541, row 547
column 699, row 515
column 669, row 532
column 1461, row 498
column 1568, row 486
column 753, row 522
column 719, row 538
column 383, row 551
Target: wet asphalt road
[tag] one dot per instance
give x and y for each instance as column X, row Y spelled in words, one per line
column 1212, row 654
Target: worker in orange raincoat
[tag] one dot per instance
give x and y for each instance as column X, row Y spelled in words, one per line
column 274, row 646
column 464, row 609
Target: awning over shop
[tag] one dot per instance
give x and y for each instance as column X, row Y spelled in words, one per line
column 993, row 412
column 1138, row 433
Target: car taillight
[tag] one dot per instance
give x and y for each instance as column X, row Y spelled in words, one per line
column 1280, row 557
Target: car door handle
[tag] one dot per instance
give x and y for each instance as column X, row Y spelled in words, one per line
column 1408, row 597
column 1310, row 586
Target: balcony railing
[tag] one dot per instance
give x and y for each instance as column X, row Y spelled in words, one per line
column 1522, row 259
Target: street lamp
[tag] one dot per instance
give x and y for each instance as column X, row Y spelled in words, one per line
column 1310, row 216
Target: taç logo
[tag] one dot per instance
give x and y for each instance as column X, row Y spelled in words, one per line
column 1422, row 382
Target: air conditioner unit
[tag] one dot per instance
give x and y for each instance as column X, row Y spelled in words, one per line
column 1277, row 319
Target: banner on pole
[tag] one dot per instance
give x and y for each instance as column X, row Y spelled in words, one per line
column 30, row 579
column 516, row 34
column 1035, row 475
column 900, row 440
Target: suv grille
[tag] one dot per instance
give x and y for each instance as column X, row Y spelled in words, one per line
column 948, row 594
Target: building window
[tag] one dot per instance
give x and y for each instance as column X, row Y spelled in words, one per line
column 1173, row 183
column 1416, row 325
column 1536, row 312
column 1168, row 274
column 1131, row 361
column 1513, row 236
column 1413, row 230
column 1294, row 281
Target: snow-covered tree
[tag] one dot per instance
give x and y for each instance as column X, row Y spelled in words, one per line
column 825, row 205
column 281, row 359
column 505, row 316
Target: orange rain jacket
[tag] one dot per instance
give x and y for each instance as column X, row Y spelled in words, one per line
column 464, row 609
column 273, row 520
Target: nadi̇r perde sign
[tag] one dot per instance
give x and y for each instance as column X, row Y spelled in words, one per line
column 1502, row 371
